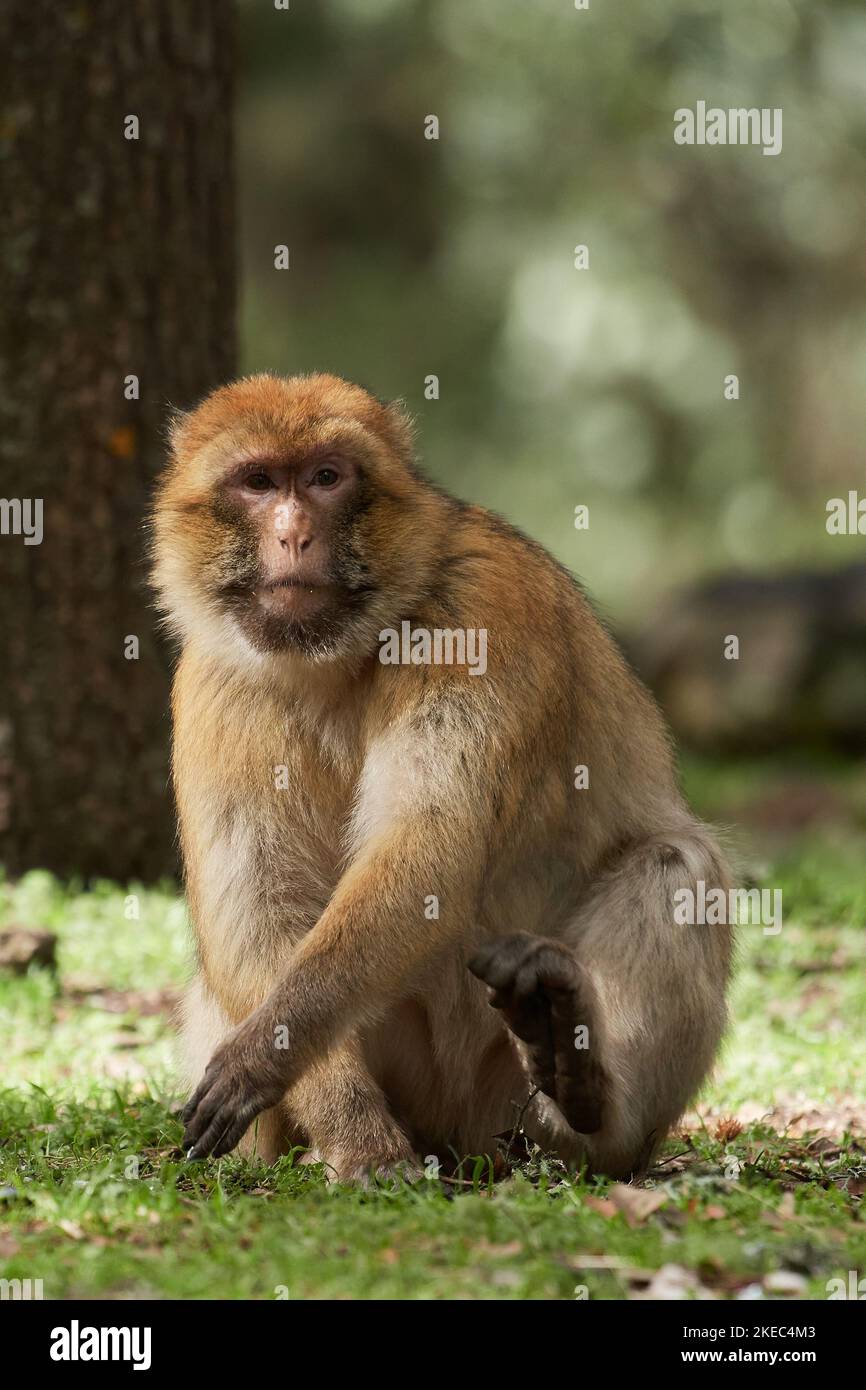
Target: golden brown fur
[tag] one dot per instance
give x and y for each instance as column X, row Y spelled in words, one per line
column 403, row 782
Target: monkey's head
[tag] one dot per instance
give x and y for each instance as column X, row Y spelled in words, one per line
column 291, row 516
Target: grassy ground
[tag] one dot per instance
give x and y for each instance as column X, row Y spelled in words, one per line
column 759, row 1195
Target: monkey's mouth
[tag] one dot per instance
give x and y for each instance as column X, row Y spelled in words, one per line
column 308, row 613
column 296, row 597
column 296, row 584
column 333, row 588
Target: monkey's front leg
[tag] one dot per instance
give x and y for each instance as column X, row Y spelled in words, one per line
column 337, row 1106
column 348, row 969
column 354, row 962
column 337, row 1109
column 346, row 1118
column 242, row 1078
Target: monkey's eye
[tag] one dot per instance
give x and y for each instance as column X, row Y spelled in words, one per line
column 258, row 482
column 326, row 477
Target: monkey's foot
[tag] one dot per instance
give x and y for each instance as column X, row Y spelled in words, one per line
column 365, row 1170
column 547, row 1002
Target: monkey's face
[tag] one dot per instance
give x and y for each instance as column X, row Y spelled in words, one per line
column 294, row 572
column 291, row 514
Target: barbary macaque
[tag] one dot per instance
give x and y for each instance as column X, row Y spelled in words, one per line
column 377, row 851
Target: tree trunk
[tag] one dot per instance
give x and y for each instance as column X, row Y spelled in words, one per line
column 118, row 261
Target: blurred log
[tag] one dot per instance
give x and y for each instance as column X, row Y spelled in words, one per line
column 800, row 677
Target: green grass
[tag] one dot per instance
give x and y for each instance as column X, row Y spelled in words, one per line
column 95, row 1201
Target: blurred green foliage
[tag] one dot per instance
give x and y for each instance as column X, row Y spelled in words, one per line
column 455, row 257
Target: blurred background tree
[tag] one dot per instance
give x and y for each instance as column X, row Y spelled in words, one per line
column 118, row 262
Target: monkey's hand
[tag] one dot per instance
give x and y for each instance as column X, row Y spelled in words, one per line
column 246, row 1075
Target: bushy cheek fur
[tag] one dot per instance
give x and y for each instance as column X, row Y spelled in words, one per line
column 230, row 554
column 352, row 560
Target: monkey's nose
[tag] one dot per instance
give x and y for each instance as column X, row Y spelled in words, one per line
column 296, row 542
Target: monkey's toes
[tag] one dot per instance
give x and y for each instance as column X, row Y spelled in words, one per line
column 369, row 1170
column 546, row 1001
column 519, row 964
column 394, row 1175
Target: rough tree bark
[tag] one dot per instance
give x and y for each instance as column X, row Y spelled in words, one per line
column 118, row 260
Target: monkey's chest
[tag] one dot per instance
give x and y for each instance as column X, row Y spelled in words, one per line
column 263, row 867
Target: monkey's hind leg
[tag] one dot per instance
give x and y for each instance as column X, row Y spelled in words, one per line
column 650, row 992
column 547, row 1000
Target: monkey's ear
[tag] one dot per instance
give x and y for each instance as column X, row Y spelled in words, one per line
column 174, row 427
column 402, row 428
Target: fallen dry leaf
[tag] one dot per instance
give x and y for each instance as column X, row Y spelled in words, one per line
column 636, row 1203
column 21, row 947
column 602, row 1206
column 824, row 1145
column 675, row 1282
column 785, row 1281
column 794, row 1116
